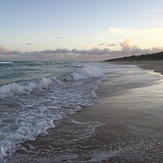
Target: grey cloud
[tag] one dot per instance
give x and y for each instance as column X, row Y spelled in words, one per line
column 101, row 44
column 111, row 45
column 14, row 52
column 29, row 43
column 94, row 51
column 75, row 54
column 57, row 51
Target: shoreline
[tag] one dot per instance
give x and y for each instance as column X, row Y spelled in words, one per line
column 155, row 65
column 121, row 128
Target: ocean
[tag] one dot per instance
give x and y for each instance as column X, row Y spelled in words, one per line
column 38, row 101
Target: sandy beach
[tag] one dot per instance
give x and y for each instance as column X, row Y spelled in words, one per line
column 120, row 128
column 157, row 66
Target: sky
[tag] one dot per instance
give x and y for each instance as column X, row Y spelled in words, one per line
column 79, row 30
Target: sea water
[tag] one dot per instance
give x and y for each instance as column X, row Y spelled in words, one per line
column 34, row 95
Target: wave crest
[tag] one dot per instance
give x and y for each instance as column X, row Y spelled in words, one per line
column 15, row 88
column 88, row 72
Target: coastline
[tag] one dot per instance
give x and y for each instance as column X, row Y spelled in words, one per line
column 121, row 128
column 155, row 65
column 127, row 122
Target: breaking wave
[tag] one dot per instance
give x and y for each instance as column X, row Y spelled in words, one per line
column 87, row 72
column 30, row 107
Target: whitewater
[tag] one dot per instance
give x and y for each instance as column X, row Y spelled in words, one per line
column 34, row 94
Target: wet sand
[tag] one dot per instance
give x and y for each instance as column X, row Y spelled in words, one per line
column 121, row 128
column 157, row 66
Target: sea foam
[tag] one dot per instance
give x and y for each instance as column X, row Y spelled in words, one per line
column 88, row 72
column 34, row 105
column 6, row 62
column 18, row 88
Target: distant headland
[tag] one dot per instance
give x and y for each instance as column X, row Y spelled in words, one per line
column 143, row 57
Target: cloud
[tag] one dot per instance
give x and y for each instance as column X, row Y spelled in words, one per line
column 149, row 31
column 126, row 45
column 120, row 30
column 156, row 49
column 128, row 49
column 62, row 54
column 29, row 43
column 101, row 44
column 57, row 51
column 135, row 31
column 111, row 45
column 3, row 49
